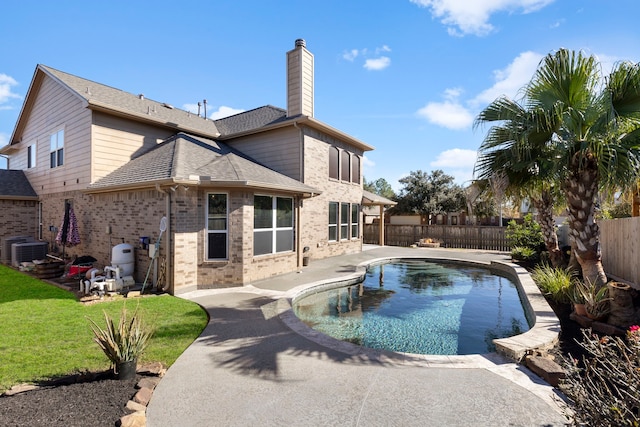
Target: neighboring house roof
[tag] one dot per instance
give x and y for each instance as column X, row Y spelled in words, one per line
column 15, row 185
column 191, row 160
column 115, row 101
column 372, row 199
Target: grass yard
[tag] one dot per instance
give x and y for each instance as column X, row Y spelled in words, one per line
column 44, row 331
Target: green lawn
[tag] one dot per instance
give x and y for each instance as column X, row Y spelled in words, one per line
column 44, row 331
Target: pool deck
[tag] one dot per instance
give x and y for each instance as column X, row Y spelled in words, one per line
column 254, row 365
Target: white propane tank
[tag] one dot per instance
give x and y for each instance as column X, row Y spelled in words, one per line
column 122, row 256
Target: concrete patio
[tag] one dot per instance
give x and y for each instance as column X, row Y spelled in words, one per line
column 254, row 365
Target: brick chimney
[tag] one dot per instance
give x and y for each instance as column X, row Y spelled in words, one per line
column 299, row 80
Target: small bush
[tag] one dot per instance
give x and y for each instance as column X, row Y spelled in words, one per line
column 523, row 253
column 528, row 234
column 605, row 390
column 557, row 283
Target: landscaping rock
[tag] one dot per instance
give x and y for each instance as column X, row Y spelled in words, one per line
column 148, row 382
column 135, row 406
column 20, row 388
column 143, row 396
column 137, row 419
column 545, row 368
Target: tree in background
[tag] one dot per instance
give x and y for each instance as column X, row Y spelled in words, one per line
column 429, row 194
column 380, row 187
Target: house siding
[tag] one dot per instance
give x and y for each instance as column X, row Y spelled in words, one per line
column 117, row 140
column 56, row 108
column 277, row 149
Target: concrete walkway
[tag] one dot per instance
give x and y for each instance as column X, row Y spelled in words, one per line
column 249, row 368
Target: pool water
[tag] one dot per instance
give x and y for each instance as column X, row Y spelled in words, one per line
column 419, row 307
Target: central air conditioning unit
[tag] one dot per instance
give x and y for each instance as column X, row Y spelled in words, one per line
column 27, row 252
column 5, row 248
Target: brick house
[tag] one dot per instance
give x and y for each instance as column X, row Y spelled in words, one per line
column 244, row 196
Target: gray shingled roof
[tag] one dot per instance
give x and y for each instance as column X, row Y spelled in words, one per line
column 15, row 185
column 252, row 119
column 373, row 199
column 186, row 157
column 102, row 96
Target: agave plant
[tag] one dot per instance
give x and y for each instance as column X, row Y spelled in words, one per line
column 596, row 299
column 124, row 341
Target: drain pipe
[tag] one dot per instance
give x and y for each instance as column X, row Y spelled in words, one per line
column 168, row 276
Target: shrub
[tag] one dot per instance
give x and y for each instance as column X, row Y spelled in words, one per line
column 523, row 253
column 528, row 234
column 557, row 283
column 605, row 390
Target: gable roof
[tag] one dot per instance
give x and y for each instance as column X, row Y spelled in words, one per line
column 191, row 160
column 15, row 185
column 250, row 120
column 373, row 199
column 105, row 98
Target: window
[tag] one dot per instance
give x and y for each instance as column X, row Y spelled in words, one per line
column 344, row 221
column 216, row 226
column 355, row 221
column 31, row 156
column 272, row 224
column 346, row 166
column 333, row 163
column 355, row 169
column 333, row 221
column 57, row 149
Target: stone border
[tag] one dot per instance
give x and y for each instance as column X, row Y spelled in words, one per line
column 542, row 336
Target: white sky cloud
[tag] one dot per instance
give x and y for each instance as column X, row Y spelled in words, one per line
column 351, row 55
column 472, row 16
column 450, row 114
column 6, row 85
column 377, row 64
column 511, row 79
column 220, row 113
column 223, row 112
column 455, row 158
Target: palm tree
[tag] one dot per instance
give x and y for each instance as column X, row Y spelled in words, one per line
column 517, row 151
column 596, row 127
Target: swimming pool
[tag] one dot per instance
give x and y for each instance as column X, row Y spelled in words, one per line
column 419, row 306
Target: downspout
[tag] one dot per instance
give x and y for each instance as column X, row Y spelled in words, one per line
column 168, row 264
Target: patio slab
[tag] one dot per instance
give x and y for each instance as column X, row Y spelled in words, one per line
column 249, row 367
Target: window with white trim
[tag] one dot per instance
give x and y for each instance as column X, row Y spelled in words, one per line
column 31, row 156
column 57, row 149
column 272, row 224
column 355, row 221
column 344, row 221
column 217, row 230
column 333, row 221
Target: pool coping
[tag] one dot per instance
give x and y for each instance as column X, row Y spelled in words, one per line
column 542, row 336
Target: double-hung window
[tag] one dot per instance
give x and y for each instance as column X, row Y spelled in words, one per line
column 57, row 149
column 355, row 221
column 217, row 226
column 272, row 224
column 333, row 221
column 344, row 221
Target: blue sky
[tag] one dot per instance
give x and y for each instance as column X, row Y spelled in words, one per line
column 406, row 76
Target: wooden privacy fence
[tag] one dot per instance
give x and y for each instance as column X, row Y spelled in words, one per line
column 451, row 236
column 621, row 248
